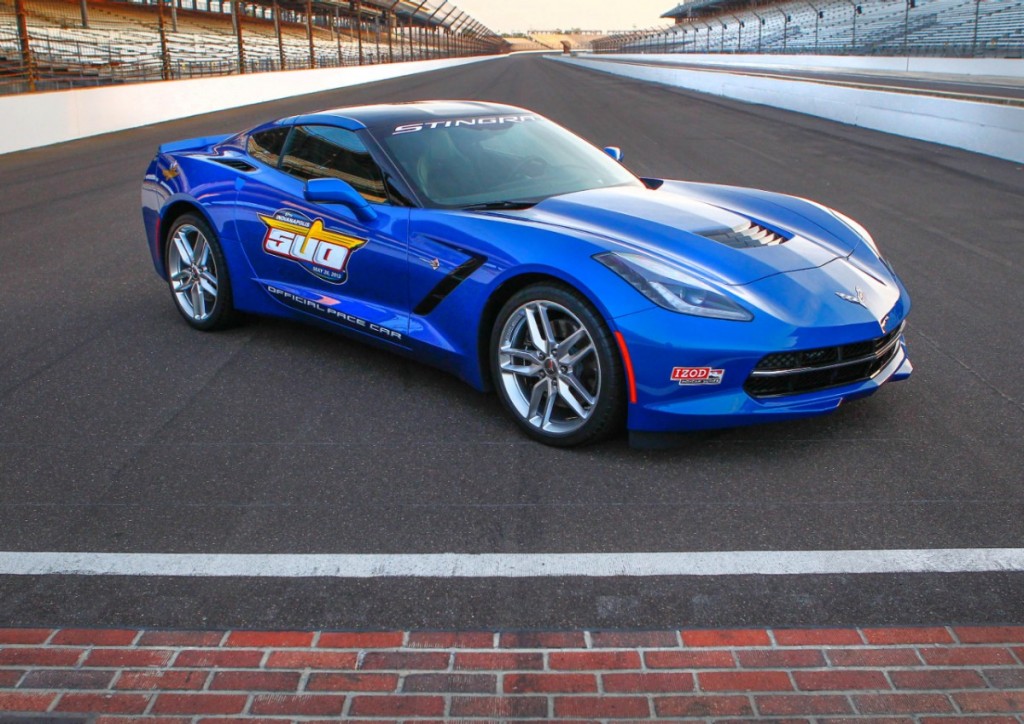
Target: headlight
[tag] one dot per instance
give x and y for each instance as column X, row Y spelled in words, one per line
column 672, row 288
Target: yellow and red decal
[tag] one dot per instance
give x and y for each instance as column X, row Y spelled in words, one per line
column 323, row 253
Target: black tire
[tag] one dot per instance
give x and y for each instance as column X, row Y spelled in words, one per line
column 200, row 287
column 546, row 386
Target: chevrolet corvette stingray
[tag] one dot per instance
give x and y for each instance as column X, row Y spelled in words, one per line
column 494, row 244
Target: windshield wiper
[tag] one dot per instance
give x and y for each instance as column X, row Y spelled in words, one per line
column 491, row 205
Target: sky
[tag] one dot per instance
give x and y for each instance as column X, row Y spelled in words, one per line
column 503, row 16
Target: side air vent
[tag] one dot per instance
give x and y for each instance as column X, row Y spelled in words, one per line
column 747, row 236
column 235, row 163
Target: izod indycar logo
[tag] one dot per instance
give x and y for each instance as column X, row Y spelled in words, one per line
column 697, row 375
column 323, row 253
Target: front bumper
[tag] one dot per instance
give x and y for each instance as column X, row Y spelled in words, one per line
column 672, row 401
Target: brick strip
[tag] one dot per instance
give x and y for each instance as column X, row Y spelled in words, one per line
column 941, row 674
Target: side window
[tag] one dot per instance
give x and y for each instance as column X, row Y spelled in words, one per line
column 266, row 145
column 331, row 152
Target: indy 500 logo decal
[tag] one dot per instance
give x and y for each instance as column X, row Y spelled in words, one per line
column 323, row 253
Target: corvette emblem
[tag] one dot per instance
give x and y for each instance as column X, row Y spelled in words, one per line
column 171, row 172
column 858, row 299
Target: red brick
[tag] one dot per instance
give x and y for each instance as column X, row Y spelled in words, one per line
column 414, row 706
column 10, row 677
column 969, row 720
column 451, row 640
column 218, row 659
column 744, row 681
column 40, row 657
column 300, row 704
column 180, row 638
column 626, row 683
column 451, row 683
column 966, row 656
column 405, row 660
column 872, row 657
column 67, row 679
column 591, row 660
column 234, row 720
column 689, row 660
column 94, row 637
column 990, row 634
column 276, row 639
column 114, row 719
column 865, row 720
column 702, row 706
column 802, row 704
column 312, row 660
column 901, row 703
column 17, row 701
column 634, row 639
column 500, row 707
column 990, row 702
column 499, row 661
column 24, row 635
column 919, row 635
column 352, row 682
column 124, row 658
column 543, row 640
column 940, row 679
column 780, row 658
column 840, row 680
column 727, row 638
column 162, row 680
column 361, row 640
column 255, row 681
column 104, row 703
column 200, row 704
column 602, row 707
column 1006, row 678
column 817, row 637
column 561, row 683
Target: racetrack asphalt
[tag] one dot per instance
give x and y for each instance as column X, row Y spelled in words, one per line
column 123, row 430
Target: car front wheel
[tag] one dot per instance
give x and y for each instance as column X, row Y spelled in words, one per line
column 556, row 367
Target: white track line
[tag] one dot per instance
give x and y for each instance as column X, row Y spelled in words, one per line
column 496, row 565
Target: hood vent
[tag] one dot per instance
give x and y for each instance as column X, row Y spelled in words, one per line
column 746, row 236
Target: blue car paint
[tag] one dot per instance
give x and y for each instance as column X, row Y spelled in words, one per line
column 409, row 249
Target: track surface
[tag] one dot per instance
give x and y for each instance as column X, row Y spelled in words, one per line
column 122, row 430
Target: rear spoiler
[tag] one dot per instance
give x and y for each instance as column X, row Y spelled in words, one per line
column 190, row 144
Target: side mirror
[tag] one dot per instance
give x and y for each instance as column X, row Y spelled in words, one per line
column 336, row 191
column 615, row 152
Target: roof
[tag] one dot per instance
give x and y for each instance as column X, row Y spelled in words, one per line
column 686, row 9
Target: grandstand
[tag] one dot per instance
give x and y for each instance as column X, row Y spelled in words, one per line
column 955, row 28
column 53, row 44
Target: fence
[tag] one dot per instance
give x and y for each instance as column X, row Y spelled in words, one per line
column 56, row 44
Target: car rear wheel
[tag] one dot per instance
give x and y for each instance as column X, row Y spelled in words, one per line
column 556, row 368
column 198, row 275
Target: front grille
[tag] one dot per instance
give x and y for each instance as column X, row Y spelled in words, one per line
column 792, row 373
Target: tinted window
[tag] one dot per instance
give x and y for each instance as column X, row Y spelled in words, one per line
column 266, row 145
column 491, row 159
column 330, row 152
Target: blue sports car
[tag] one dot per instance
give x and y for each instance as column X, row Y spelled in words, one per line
column 496, row 245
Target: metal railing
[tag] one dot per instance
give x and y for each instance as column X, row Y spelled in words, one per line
column 57, row 44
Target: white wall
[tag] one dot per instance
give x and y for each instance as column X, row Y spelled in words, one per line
column 1008, row 67
column 39, row 119
column 988, row 128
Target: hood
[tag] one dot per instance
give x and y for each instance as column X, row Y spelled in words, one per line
column 722, row 245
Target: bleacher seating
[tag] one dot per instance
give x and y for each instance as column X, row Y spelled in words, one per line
column 940, row 27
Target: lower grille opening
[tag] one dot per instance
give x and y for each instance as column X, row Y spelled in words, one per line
column 793, row 373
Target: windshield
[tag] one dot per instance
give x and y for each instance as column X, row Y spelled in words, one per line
column 498, row 160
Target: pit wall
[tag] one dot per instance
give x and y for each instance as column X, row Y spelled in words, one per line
column 39, row 119
column 987, row 128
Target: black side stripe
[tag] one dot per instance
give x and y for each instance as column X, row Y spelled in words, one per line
column 447, row 285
